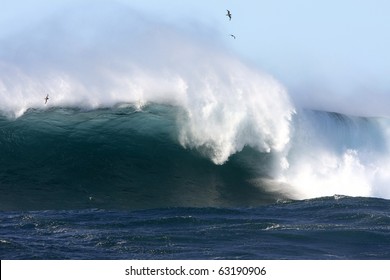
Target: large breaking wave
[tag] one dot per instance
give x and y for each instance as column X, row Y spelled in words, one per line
column 108, row 55
column 144, row 115
column 131, row 157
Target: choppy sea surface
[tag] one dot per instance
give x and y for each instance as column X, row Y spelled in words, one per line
column 325, row 228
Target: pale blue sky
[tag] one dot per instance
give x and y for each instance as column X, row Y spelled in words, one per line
column 326, row 53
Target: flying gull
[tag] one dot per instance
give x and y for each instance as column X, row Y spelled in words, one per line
column 234, row 37
column 229, row 14
column 46, row 98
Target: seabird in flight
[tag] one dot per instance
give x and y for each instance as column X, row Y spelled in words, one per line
column 229, row 14
column 234, row 37
column 46, row 98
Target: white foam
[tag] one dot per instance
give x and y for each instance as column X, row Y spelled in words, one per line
column 235, row 106
column 337, row 155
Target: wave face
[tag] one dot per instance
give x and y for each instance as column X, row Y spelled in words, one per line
column 116, row 158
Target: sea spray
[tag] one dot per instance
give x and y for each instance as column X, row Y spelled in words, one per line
column 331, row 153
column 109, row 55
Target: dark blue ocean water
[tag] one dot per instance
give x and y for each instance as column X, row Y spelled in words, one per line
column 326, row 228
column 116, row 184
